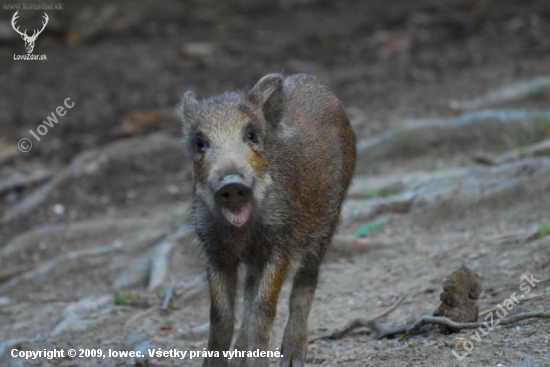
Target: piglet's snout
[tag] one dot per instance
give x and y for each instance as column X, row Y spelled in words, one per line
column 233, row 192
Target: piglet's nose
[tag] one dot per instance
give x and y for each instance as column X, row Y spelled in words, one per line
column 233, row 193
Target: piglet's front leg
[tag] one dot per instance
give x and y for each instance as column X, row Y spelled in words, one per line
column 222, row 284
column 264, row 308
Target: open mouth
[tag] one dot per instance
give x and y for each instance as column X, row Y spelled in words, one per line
column 238, row 217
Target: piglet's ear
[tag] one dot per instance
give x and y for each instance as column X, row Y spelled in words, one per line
column 186, row 110
column 268, row 95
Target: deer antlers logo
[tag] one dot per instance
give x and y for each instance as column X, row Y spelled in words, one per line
column 29, row 40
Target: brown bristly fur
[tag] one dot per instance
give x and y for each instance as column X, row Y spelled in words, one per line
column 298, row 163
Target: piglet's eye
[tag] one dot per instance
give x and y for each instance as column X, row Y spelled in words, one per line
column 200, row 144
column 252, row 136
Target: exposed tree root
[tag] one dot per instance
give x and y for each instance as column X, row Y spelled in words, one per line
column 153, row 266
column 535, row 150
column 484, row 185
column 160, row 264
column 355, row 210
column 189, row 289
column 475, row 128
column 160, row 259
column 156, row 261
column 510, row 93
column 80, row 315
column 167, row 300
column 458, row 190
column 19, row 180
column 68, row 231
column 70, row 259
column 365, row 187
column 89, row 162
column 6, row 275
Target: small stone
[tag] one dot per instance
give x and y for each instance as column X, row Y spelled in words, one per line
column 199, row 49
column 59, row 209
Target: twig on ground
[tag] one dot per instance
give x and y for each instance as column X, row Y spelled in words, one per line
column 357, row 323
column 413, row 328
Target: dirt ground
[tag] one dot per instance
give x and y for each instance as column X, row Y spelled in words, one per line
column 93, row 220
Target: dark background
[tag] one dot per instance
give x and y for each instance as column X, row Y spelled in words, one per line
column 390, row 60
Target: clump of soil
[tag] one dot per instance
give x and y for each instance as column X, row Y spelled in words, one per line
column 459, row 297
